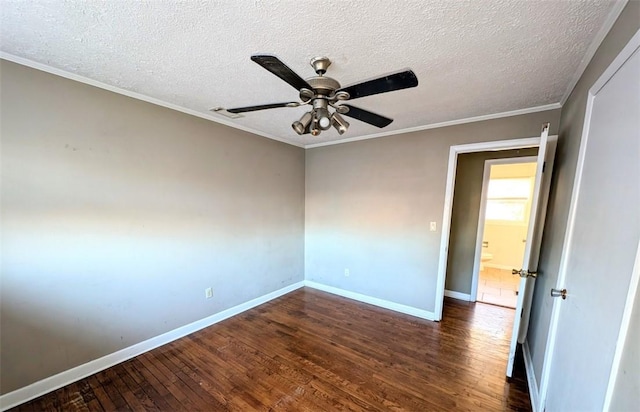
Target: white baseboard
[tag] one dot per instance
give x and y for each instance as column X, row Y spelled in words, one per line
column 534, row 393
column 457, row 295
column 409, row 310
column 22, row 395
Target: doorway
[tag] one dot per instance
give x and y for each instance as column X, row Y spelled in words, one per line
column 467, row 218
column 505, row 208
column 546, row 146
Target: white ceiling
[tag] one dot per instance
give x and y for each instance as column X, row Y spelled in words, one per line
column 472, row 58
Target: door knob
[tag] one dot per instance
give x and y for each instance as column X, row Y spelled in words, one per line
column 555, row 293
column 524, row 273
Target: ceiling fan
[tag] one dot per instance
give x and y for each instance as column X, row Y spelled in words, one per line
column 322, row 92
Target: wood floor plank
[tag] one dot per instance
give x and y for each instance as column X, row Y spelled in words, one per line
column 100, row 393
column 143, row 400
column 112, row 390
column 133, row 379
column 168, row 379
column 89, row 397
column 192, row 380
column 78, row 397
column 221, row 375
column 117, row 390
column 298, row 361
column 326, row 352
column 312, row 351
column 244, row 377
column 157, row 385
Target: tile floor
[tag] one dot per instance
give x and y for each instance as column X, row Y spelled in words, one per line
column 498, row 287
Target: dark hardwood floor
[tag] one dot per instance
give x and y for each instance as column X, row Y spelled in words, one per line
column 313, row 351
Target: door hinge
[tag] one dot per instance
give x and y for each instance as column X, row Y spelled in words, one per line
column 544, row 166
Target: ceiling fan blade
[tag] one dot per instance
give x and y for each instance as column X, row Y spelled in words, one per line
column 383, row 84
column 262, row 107
column 275, row 66
column 367, row 116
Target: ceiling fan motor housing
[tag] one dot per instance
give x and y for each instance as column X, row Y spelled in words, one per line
column 323, row 89
column 323, row 85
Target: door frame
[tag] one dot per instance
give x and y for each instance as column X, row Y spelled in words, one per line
column 616, row 64
column 475, row 277
column 454, row 151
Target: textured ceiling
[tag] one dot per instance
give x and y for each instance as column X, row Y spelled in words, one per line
column 472, row 58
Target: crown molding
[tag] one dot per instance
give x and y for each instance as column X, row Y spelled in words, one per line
column 518, row 112
column 139, row 96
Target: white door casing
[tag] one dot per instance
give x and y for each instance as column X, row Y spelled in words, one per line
column 599, row 260
column 540, row 202
column 448, row 202
column 545, row 158
column 454, row 151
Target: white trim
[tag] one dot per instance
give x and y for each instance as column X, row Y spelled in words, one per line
column 448, row 201
column 531, row 377
column 477, row 259
column 397, row 307
column 615, row 65
column 457, row 295
column 593, row 47
column 446, row 228
column 135, row 95
column 214, row 118
column 624, row 329
column 22, row 395
column 493, row 116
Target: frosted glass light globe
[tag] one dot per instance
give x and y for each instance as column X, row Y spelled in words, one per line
column 324, row 122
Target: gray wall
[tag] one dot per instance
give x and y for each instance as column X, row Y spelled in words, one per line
column 369, row 204
column 570, row 134
column 117, row 214
column 465, row 213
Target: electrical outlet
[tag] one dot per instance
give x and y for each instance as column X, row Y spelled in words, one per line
column 346, row 272
column 432, row 226
column 208, row 293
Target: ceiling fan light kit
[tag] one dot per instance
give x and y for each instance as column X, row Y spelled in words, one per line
column 339, row 123
column 325, row 96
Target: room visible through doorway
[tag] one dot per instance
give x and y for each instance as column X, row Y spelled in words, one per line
column 506, row 206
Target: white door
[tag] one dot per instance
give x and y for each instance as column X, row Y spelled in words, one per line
column 546, row 153
column 601, row 244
